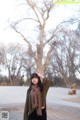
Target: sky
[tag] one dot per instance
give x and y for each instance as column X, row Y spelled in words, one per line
column 10, row 11
column 7, row 11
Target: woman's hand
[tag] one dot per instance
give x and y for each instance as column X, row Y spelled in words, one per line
column 40, row 75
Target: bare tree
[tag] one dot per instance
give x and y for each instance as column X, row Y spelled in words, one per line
column 65, row 62
column 2, row 53
column 13, row 62
column 41, row 42
column 41, row 52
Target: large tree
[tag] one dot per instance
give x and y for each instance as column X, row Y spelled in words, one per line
column 42, row 44
column 40, row 40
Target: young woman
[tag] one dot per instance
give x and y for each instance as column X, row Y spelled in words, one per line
column 35, row 105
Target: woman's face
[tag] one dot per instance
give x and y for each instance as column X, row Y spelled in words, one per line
column 35, row 81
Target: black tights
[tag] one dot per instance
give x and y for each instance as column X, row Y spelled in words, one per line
column 33, row 115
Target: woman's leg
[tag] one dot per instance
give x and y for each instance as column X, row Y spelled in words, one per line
column 44, row 115
column 39, row 117
column 33, row 116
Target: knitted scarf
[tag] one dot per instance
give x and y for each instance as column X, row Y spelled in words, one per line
column 36, row 99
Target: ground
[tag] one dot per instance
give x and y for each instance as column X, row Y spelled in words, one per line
column 55, row 112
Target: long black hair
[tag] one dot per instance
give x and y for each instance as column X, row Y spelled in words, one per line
column 39, row 84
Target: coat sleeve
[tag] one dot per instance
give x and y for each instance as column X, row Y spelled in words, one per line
column 25, row 115
column 46, row 84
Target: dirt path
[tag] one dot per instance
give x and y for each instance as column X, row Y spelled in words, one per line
column 55, row 112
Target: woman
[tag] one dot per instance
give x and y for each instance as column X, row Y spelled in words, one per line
column 35, row 106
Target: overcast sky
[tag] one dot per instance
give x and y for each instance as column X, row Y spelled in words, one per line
column 9, row 10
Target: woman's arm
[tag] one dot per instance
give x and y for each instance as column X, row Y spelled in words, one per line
column 46, row 83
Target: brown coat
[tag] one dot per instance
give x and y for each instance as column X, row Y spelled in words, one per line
column 28, row 109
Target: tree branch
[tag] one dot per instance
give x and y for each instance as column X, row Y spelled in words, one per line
column 57, row 29
column 25, row 39
column 26, row 19
column 33, row 6
column 48, row 58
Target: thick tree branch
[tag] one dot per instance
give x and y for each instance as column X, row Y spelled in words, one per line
column 25, row 39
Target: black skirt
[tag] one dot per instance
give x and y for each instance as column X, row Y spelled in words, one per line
column 34, row 116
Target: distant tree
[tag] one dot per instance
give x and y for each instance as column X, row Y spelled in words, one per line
column 13, row 62
column 2, row 53
column 66, row 59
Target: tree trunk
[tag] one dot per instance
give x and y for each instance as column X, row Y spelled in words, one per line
column 40, row 46
column 11, row 82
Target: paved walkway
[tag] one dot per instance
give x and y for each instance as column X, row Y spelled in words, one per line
column 60, row 112
column 55, row 112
